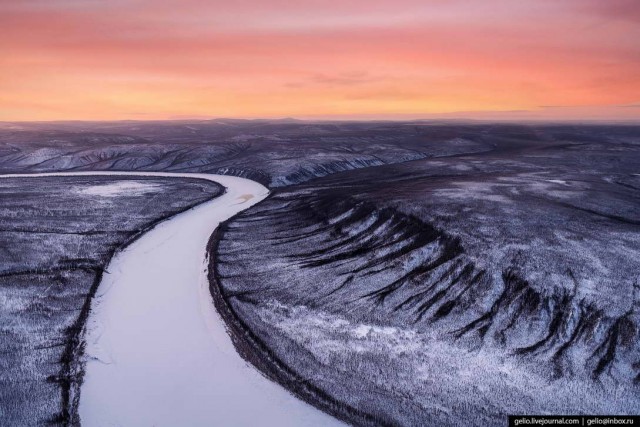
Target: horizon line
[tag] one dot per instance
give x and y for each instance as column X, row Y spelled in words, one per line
column 344, row 119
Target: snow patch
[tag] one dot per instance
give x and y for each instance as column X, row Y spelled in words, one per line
column 558, row 181
column 114, row 189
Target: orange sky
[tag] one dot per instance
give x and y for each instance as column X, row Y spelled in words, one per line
column 153, row 59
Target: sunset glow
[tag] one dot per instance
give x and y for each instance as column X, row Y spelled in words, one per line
column 494, row 59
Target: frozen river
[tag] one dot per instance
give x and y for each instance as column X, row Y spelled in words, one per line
column 158, row 353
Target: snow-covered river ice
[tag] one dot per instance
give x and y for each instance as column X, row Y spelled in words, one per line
column 157, row 352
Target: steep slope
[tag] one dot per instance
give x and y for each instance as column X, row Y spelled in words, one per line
column 456, row 288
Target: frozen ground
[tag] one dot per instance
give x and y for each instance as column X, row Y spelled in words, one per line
column 457, row 288
column 408, row 273
column 275, row 153
column 56, row 236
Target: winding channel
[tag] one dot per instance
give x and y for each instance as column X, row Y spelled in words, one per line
column 157, row 352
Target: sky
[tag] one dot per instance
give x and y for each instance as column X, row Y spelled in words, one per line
column 320, row 59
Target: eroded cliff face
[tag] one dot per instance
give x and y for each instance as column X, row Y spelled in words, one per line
column 470, row 286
